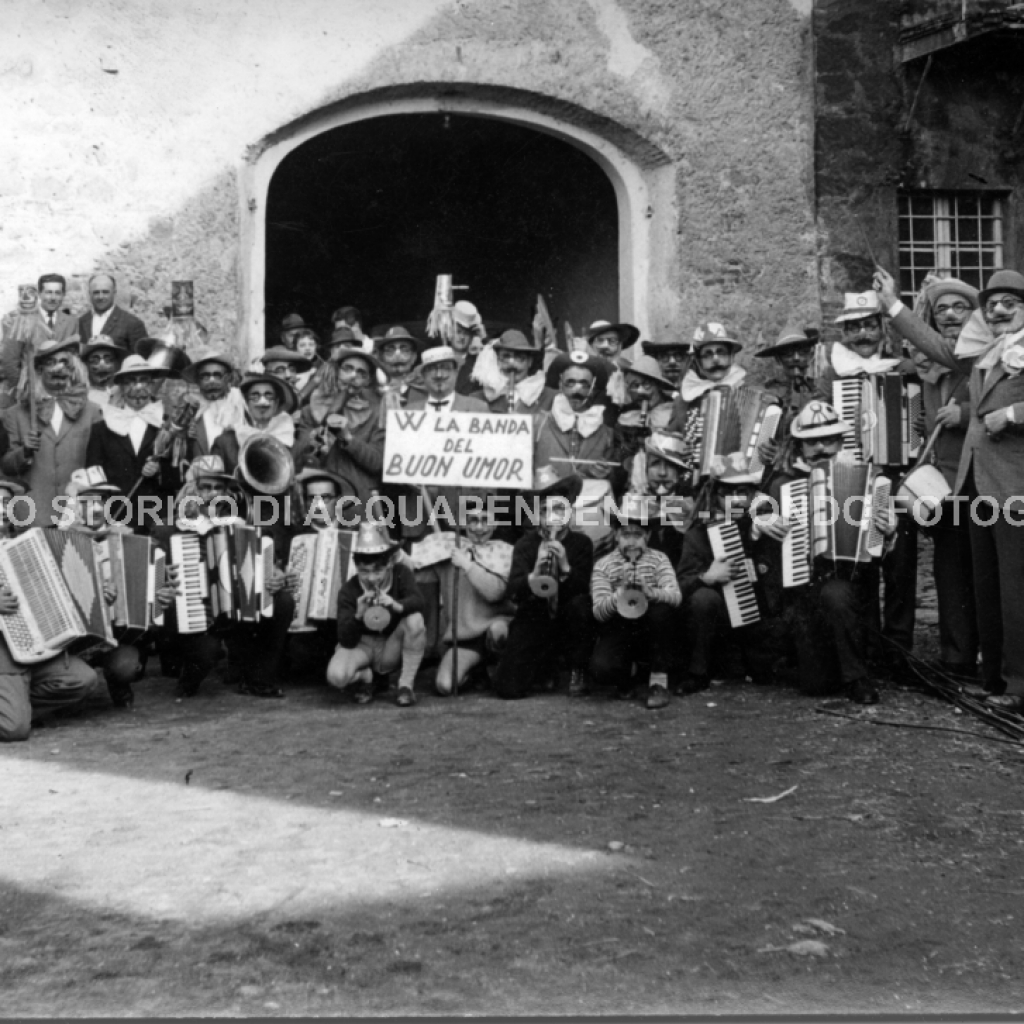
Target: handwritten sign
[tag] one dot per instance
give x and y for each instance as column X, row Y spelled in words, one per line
column 459, row 449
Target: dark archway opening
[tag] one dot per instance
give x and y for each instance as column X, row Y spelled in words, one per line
column 368, row 214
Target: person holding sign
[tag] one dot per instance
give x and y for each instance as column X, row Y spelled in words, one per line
column 484, row 611
column 380, row 620
column 550, row 585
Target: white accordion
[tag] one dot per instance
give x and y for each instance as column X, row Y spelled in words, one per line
column 884, row 410
column 323, row 562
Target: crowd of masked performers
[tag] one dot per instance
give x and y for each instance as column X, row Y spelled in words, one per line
column 655, row 600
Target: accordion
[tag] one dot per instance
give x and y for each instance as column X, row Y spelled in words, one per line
column 223, row 577
column 736, row 420
column 59, row 587
column 884, row 410
column 739, row 593
column 323, row 562
column 137, row 569
column 832, row 515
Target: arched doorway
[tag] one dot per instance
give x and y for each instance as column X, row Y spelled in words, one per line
column 369, row 212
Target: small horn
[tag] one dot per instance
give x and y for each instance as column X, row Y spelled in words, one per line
column 265, row 465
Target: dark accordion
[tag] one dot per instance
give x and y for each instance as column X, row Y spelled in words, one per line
column 223, row 577
column 736, row 420
column 884, row 410
column 832, row 515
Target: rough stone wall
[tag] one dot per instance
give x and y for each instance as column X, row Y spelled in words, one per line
column 873, row 140
column 129, row 131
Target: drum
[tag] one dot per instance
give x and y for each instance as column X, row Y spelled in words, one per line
column 923, row 490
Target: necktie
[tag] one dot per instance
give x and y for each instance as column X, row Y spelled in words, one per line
column 49, row 319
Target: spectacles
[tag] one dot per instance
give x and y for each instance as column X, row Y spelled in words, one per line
column 958, row 307
column 1008, row 303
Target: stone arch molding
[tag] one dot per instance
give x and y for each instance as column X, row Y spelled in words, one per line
column 641, row 175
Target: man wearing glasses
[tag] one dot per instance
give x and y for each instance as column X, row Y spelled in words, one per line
column 991, row 472
column 948, row 304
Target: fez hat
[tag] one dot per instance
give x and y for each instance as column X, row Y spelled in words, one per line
column 628, row 334
column 285, row 392
column 818, row 419
column 1002, row 281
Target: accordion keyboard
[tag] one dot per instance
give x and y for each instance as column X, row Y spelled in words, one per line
column 794, row 505
column 739, row 594
column 193, row 586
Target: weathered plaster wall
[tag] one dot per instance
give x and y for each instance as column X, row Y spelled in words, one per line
column 128, row 124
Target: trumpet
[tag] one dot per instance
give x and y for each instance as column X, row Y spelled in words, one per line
column 545, row 584
column 376, row 618
column 631, row 601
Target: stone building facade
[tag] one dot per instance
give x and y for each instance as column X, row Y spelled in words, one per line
column 757, row 151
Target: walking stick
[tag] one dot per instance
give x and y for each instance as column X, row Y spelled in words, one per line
column 455, row 615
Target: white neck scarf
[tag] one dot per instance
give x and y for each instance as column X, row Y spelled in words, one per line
column 694, row 387
column 585, row 423
column 526, row 391
column 120, row 419
column 224, row 413
column 282, row 426
column 976, row 338
column 847, row 363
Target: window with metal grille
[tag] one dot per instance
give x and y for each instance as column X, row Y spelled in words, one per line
column 955, row 234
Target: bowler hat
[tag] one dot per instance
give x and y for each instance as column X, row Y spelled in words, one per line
column 1002, row 281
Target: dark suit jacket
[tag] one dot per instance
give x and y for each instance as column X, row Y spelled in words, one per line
column 64, row 326
column 114, row 452
column 123, row 327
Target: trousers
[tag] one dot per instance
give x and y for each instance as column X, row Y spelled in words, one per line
column 954, row 586
column 646, row 642
column 708, row 634
column 28, row 691
column 535, row 641
column 827, row 620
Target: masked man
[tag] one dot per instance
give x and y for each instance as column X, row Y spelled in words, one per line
column 792, row 384
column 46, row 451
column 610, row 341
column 990, row 474
column 220, row 406
column 948, row 306
column 28, row 693
column 648, row 409
column 673, row 358
column 399, row 352
column 829, row 616
column 285, row 364
column 861, row 354
column 510, row 372
column 715, row 366
column 269, row 404
column 103, row 358
column 624, row 638
column 550, row 585
column 122, row 441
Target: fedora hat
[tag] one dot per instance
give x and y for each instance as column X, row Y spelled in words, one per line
column 466, row 314
column 351, row 352
column 818, row 419
column 652, row 347
column 952, row 286
column 597, row 365
column 1002, row 281
column 637, row 510
column 162, row 356
column 397, row 333
column 51, row 348
column 292, row 322
column 548, row 484
column 628, row 334
column 136, row 364
column 515, row 341
column 282, row 354
column 670, row 446
column 202, row 355
column 341, row 336
column 713, row 333
column 102, row 343
column 859, row 306
column 789, row 338
column 644, row 366
column 285, row 392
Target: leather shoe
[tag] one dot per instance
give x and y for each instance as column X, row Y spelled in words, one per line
column 657, row 697
column 406, row 698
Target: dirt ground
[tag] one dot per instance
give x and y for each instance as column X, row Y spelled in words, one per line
column 231, row 856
